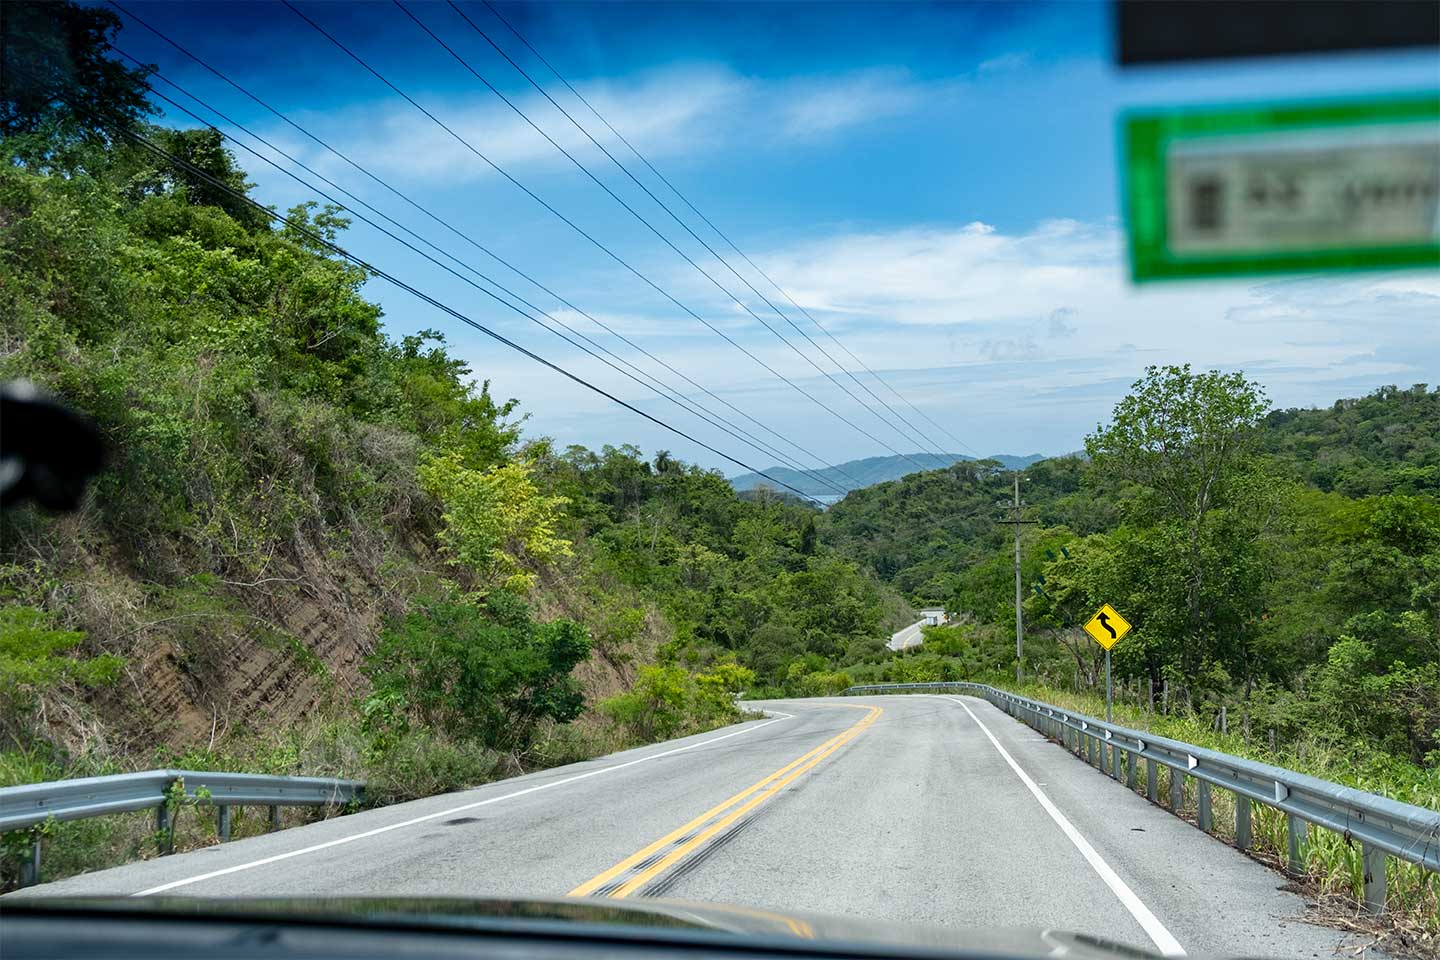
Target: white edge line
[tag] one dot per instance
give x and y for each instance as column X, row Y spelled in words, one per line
column 445, row 813
column 1162, row 938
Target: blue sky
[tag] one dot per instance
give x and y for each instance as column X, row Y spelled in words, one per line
column 935, row 184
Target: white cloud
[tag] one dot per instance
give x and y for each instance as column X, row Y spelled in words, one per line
column 814, row 108
column 1004, row 63
column 686, row 111
column 659, row 113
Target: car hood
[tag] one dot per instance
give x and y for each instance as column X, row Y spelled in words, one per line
column 606, row 917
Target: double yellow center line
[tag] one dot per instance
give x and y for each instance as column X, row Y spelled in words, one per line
column 643, row 866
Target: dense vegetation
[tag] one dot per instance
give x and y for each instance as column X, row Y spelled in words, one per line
column 317, row 547
column 320, row 547
column 1225, row 534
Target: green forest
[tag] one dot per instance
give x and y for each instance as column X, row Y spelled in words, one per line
column 319, row 547
column 1284, row 564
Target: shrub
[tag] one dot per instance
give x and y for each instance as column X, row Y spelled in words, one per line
column 668, row 701
column 484, row 672
column 32, row 663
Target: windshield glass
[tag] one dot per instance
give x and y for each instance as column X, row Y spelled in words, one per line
column 930, row 472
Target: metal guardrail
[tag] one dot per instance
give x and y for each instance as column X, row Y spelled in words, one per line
column 33, row 804
column 1381, row 825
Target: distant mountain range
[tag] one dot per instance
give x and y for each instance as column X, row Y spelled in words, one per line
column 855, row 474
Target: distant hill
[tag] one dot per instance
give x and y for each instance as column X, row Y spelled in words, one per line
column 856, row 474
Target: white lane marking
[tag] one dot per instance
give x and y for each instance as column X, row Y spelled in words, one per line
column 1161, row 937
column 445, row 813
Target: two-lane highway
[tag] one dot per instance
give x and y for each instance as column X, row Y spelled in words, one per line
column 931, row 809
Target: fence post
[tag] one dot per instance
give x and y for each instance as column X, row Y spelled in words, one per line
column 164, row 829
column 1177, row 789
column 1295, row 844
column 1152, row 780
column 1242, row 822
column 1205, row 815
column 30, row 868
column 1374, row 862
column 222, row 822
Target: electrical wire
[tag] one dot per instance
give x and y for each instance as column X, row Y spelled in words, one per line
column 491, row 254
column 577, row 228
column 718, row 232
column 678, row 400
column 653, row 229
column 370, row 268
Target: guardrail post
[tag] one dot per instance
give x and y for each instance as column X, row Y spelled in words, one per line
column 1152, row 780
column 1115, row 761
column 30, row 868
column 274, row 816
column 1206, row 814
column 1132, row 767
column 1295, row 844
column 1177, row 789
column 1090, row 750
column 1243, row 836
column 164, row 829
column 1373, row 859
column 222, row 822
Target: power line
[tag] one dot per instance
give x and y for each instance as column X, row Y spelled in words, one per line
column 718, row 232
column 649, row 193
column 578, row 229
column 678, row 400
column 373, row 270
column 491, row 254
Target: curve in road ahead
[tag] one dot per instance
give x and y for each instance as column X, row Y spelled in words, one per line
column 928, row 809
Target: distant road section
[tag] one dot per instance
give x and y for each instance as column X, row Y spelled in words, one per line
column 911, row 635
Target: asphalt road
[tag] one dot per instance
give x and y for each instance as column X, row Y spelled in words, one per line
column 907, row 636
column 928, row 809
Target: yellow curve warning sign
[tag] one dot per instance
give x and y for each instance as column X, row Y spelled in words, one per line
column 1107, row 627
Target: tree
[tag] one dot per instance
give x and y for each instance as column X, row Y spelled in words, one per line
column 1183, row 435
column 495, row 520
column 59, row 91
column 1186, row 438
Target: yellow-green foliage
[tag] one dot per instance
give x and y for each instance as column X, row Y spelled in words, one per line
column 496, row 519
column 669, row 701
column 34, row 661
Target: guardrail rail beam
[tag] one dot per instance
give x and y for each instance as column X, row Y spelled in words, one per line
column 1383, row 827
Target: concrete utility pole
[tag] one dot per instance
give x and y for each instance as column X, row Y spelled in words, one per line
column 1016, row 521
column 1019, row 597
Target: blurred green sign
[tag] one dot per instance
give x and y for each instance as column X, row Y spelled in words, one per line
column 1346, row 185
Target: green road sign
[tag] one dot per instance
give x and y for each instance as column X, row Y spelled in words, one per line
column 1343, row 185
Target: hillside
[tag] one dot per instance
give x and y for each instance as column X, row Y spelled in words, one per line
column 1312, row 564
column 919, row 531
column 865, row 472
column 320, row 548
column 1387, row 442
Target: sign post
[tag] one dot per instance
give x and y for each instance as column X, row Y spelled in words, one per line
column 1106, row 628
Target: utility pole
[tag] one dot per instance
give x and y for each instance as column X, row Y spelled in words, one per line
column 1016, row 522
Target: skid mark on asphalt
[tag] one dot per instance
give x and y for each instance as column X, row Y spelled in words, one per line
column 546, row 785
column 647, row 866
